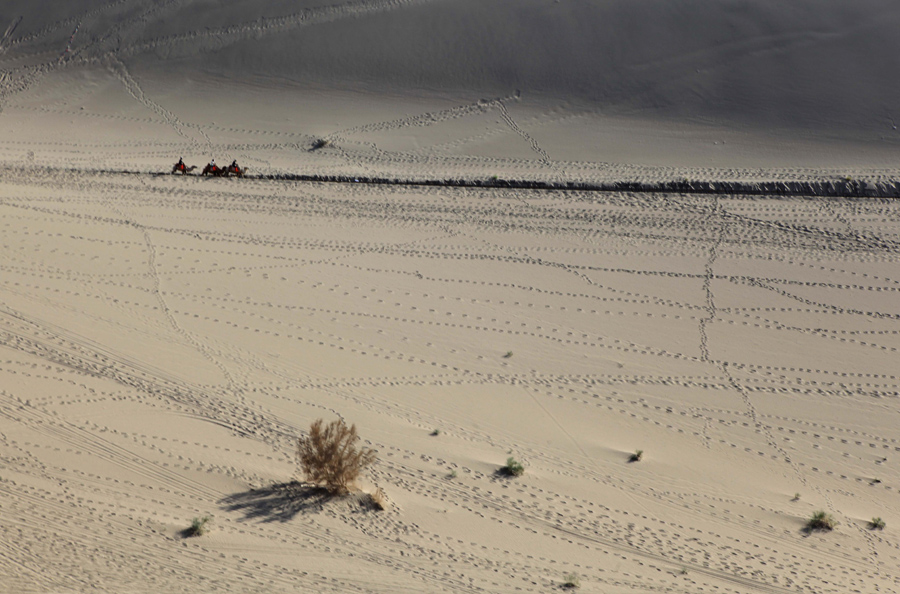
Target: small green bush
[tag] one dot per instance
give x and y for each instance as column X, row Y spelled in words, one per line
column 636, row 457
column 820, row 520
column 513, row 467
column 571, row 582
column 507, row 355
column 199, row 526
column 876, row 524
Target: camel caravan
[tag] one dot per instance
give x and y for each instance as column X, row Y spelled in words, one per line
column 210, row 169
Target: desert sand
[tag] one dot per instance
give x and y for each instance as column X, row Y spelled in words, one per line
column 165, row 340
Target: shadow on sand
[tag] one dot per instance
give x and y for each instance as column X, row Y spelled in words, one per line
column 277, row 503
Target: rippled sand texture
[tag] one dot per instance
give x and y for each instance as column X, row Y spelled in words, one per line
column 165, row 340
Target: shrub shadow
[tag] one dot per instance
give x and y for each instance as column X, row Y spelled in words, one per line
column 503, row 473
column 277, row 503
column 809, row 531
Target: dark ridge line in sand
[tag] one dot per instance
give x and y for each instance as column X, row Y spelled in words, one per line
column 852, row 189
column 818, row 189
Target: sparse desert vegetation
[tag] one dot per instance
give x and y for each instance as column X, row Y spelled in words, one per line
column 329, row 456
column 513, row 467
column 876, row 524
column 199, row 526
column 820, row 521
column 636, row 456
column 571, row 582
column 379, row 499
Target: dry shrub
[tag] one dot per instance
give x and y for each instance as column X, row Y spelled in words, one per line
column 379, row 499
column 329, row 456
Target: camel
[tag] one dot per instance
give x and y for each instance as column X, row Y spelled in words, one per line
column 182, row 168
column 214, row 170
column 217, row 171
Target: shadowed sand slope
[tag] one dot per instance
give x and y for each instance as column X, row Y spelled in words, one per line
column 527, row 88
column 809, row 63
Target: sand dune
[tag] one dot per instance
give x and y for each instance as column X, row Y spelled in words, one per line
column 810, row 64
column 165, row 340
